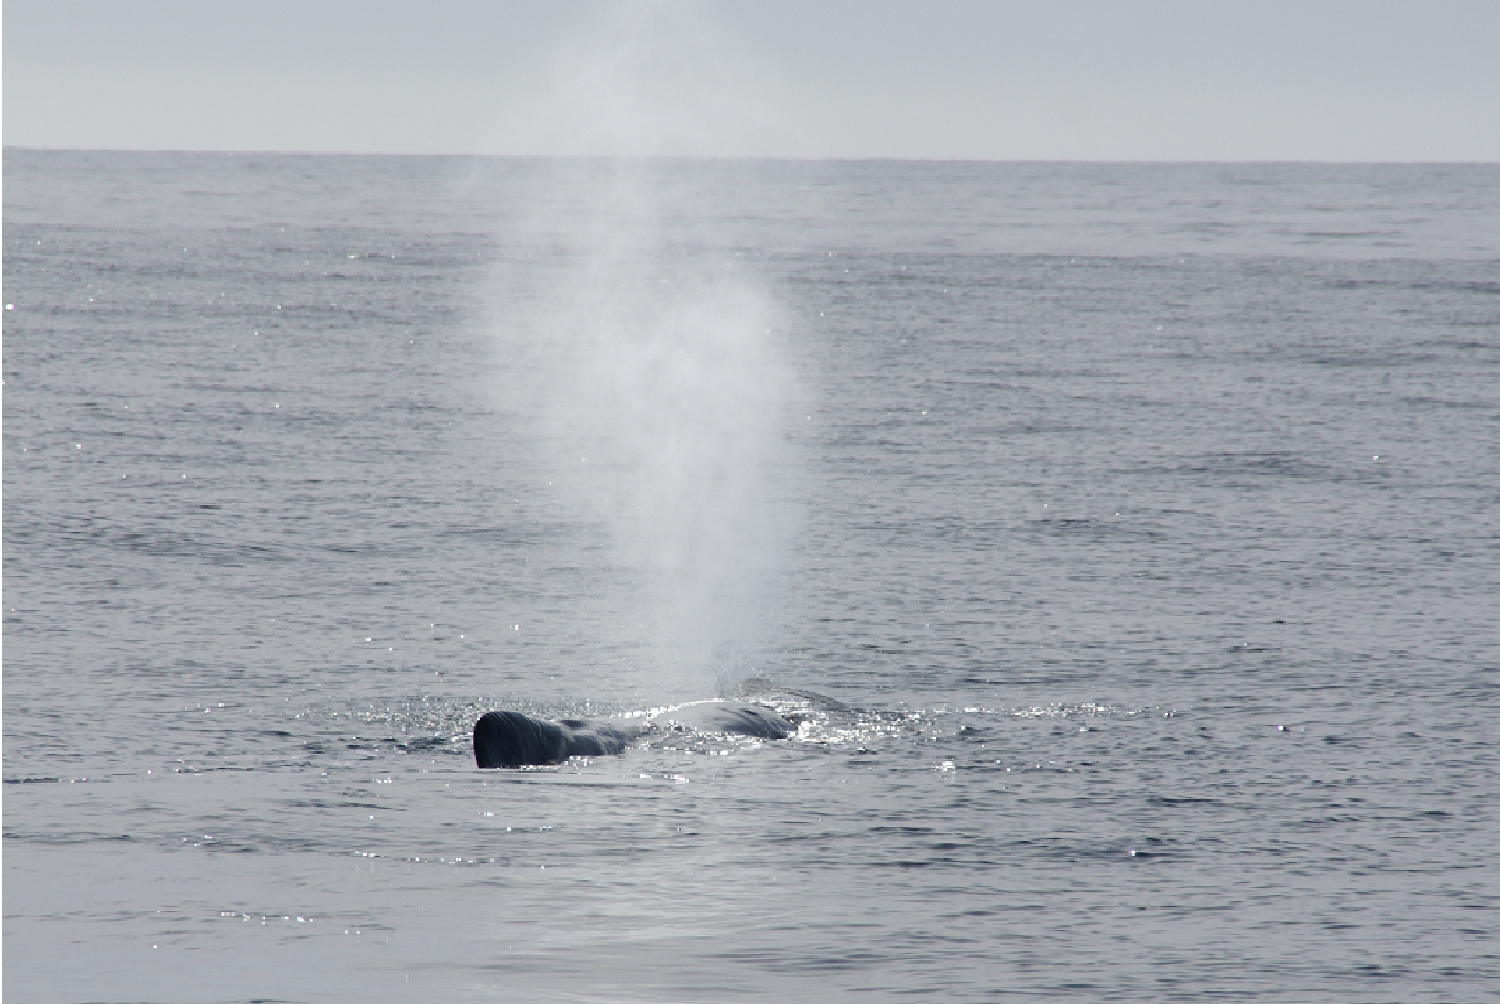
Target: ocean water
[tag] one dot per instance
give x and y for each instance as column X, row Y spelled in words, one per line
column 1138, row 525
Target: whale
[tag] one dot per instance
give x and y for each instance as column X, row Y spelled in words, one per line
column 513, row 739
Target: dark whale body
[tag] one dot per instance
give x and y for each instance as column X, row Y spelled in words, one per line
column 511, row 739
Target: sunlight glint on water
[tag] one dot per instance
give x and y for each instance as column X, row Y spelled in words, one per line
column 1140, row 517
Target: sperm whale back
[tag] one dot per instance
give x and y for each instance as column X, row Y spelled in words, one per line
column 511, row 739
column 731, row 717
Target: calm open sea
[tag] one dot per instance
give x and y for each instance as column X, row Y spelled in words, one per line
column 1141, row 524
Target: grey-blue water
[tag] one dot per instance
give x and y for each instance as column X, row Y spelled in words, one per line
column 1145, row 517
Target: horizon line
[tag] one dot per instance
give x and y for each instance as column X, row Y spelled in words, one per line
column 19, row 147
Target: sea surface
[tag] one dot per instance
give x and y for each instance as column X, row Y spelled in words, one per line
column 1124, row 538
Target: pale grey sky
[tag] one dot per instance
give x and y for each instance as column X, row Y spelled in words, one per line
column 1350, row 80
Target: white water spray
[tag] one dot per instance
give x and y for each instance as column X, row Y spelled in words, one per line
column 641, row 357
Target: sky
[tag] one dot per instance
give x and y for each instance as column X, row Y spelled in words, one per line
column 1329, row 80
